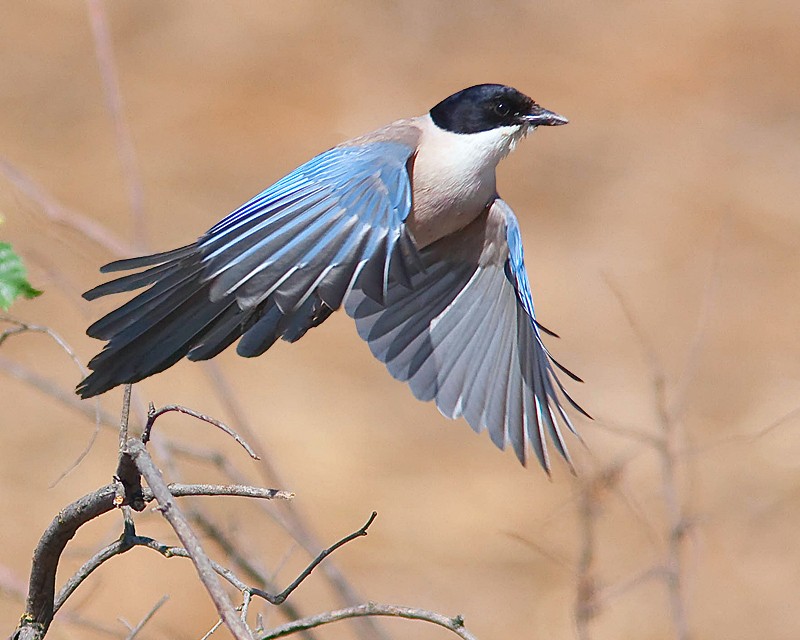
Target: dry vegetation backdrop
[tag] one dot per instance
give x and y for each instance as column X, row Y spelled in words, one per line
column 662, row 229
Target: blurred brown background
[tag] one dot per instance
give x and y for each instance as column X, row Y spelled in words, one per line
column 675, row 183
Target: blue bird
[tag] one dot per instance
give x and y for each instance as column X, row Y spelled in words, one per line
column 404, row 227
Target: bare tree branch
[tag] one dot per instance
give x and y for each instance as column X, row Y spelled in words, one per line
column 26, row 327
column 42, row 603
column 129, row 539
column 180, row 490
column 153, row 414
column 211, row 631
column 591, row 496
column 49, row 388
column 57, row 213
column 230, row 576
column 586, row 608
column 125, row 416
column 668, row 447
column 179, row 523
column 456, row 625
column 278, row 599
column 135, row 631
column 127, row 153
column 697, row 341
column 41, row 590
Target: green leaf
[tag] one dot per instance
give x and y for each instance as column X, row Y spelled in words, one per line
column 13, row 278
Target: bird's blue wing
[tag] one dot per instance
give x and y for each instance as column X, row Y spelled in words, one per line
column 465, row 336
column 274, row 268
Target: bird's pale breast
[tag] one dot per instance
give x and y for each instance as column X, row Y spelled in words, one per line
column 453, row 179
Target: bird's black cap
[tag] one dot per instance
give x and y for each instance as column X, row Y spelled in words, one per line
column 488, row 106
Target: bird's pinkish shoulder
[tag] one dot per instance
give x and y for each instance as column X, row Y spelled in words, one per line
column 407, row 132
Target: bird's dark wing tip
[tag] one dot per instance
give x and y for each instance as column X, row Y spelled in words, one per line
column 84, row 389
column 93, row 294
column 127, row 264
column 549, row 332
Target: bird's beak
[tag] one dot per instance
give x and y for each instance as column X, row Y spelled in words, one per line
column 540, row 116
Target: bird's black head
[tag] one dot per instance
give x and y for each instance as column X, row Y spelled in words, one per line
column 488, row 106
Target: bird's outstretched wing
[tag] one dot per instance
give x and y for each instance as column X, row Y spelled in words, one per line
column 275, row 267
column 465, row 335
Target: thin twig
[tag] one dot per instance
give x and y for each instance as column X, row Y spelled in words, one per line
column 586, row 608
column 612, row 592
column 456, row 625
column 57, row 213
column 779, row 422
column 247, row 597
column 78, row 620
column 278, row 599
column 135, row 631
column 26, row 327
column 627, row 432
column 23, row 327
column 541, row 550
column 211, row 631
column 153, row 414
column 180, row 490
column 668, row 448
column 227, row 396
column 49, row 388
column 232, row 578
column 677, row 522
column 125, row 415
column 744, row 438
column 697, row 342
column 127, row 154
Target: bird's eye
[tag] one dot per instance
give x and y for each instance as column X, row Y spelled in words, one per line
column 502, row 109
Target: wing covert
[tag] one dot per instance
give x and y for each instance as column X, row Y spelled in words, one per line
column 314, row 230
column 274, row 268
